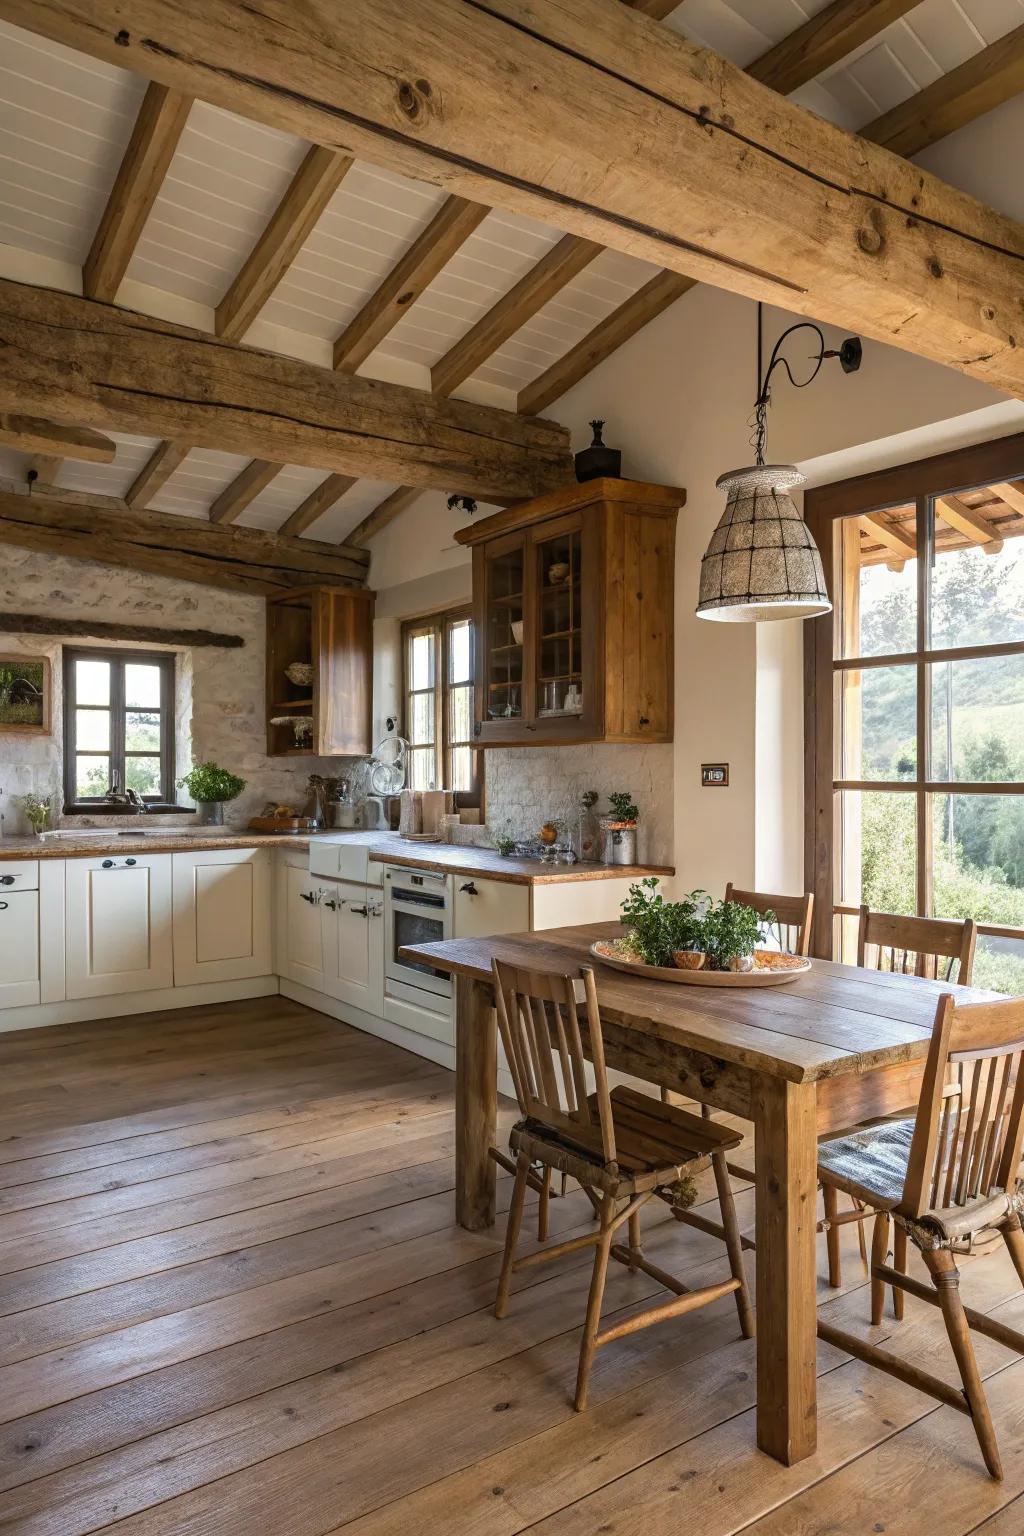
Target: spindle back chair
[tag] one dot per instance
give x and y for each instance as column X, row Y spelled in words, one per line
column 942, row 1177
column 620, row 1145
column 919, row 946
column 792, row 915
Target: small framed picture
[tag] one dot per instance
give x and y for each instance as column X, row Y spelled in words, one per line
column 714, row 775
column 24, row 696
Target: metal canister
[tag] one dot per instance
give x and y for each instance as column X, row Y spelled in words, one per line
column 617, row 842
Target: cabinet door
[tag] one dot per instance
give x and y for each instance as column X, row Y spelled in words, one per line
column 19, row 949
column 355, row 955
column 118, row 925
column 221, row 915
column 562, row 583
column 303, row 922
column 503, row 695
column 490, row 906
column 343, row 666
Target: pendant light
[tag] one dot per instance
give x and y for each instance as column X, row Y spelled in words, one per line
column 762, row 562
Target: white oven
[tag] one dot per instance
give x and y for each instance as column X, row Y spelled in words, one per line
column 418, row 909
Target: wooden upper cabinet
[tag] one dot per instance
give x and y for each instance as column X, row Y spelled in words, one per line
column 331, row 628
column 573, row 598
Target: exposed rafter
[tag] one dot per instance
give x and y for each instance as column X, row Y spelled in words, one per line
column 151, row 147
column 970, row 522
column 879, row 528
column 32, row 434
column 1012, row 492
column 823, row 40
column 156, row 472
column 311, row 189
column 384, row 513
column 317, row 503
column 977, row 86
column 232, row 502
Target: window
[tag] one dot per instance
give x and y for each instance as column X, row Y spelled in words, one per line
column 915, row 724
column 118, row 726
column 438, row 685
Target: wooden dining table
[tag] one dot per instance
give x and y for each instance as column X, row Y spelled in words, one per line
column 829, row 1049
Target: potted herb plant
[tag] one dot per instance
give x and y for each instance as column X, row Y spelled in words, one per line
column 210, row 786
column 732, row 933
column 618, row 829
column 37, row 811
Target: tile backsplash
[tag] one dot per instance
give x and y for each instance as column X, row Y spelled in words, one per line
column 527, row 785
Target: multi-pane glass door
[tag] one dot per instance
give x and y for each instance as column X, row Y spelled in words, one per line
column 928, row 719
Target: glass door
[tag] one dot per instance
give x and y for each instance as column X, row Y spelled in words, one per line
column 503, row 640
column 563, row 675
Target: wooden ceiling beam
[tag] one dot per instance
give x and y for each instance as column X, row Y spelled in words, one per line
column 878, row 527
column 106, row 530
column 656, row 9
column 565, row 260
column 433, row 248
column 155, row 473
column 33, row 434
column 244, row 488
column 977, row 86
column 824, row 40
column 384, row 513
column 754, row 194
column 1012, row 492
column 43, row 468
column 970, row 522
column 606, row 337
column 102, row 366
column 319, row 501
column 292, row 222
column 154, row 139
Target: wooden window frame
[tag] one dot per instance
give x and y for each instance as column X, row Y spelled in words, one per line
column 919, row 482
column 440, row 625
column 164, row 801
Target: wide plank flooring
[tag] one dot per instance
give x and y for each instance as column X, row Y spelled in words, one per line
column 233, row 1300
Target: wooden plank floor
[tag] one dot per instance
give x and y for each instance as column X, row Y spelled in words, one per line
column 233, row 1301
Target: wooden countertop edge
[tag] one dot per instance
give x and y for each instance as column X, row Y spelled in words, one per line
column 489, row 869
column 104, row 847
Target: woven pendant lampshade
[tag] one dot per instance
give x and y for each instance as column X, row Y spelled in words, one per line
column 762, row 562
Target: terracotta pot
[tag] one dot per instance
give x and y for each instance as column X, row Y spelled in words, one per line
column 689, row 959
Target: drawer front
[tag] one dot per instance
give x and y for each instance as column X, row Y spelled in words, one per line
column 19, row 875
column 490, row 906
column 19, row 949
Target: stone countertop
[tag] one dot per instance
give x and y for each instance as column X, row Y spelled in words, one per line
column 457, row 859
column 172, row 841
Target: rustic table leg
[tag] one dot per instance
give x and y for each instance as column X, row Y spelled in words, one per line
column 786, row 1188
column 476, row 1102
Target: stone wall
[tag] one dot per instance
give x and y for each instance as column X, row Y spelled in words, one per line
column 219, row 709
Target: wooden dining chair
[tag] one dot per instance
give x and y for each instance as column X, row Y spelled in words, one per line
column 911, row 946
column 792, row 915
column 622, row 1146
column 942, row 1177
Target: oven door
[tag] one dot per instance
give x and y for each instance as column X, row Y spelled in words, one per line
column 418, row 910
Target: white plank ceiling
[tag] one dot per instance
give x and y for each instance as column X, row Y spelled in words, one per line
column 65, row 120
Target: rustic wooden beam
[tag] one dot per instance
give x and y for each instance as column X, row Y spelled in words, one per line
column 975, row 87
column 317, row 503
column 155, row 473
column 106, row 530
column 688, row 164
column 109, row 367
column 656, row 9
column 384, row 513
column 96, row 629
column 878, row 527
column 244, row 488
column 311, row 189
column 970, row 522
column 1012, row 492
column 823, row 40
column 52, row 439
column 151, row 147
column 547, row 277
column 43, row 468
column 606, row 337
column 448, row 230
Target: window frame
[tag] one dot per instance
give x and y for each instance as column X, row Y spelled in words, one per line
column 440, row 625
column 75, row 805
column 921, row 482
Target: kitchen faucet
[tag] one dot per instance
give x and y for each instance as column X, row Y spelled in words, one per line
column 115, row 795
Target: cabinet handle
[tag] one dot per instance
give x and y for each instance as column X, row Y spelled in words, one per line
column 333, row 905
column 108, row 864
column 308, row 896
column 469, row 888
column 6, row 879
column 644, row 720
column 129, row 861
column 360, row 911
column 531, row 727
column 3, row 906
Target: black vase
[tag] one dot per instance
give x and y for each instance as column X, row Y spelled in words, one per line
column 597, row 461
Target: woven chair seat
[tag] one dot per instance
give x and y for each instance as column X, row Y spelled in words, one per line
column 656, row 1145
column 872, row 1164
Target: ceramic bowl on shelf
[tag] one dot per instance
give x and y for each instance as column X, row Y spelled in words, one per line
column 558, row 573
column 302, row 727
column 300, row 673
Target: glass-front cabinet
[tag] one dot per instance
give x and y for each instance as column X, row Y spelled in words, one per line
column 572, row 597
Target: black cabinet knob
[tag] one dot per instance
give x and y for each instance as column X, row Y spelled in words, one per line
column 644, row 720
column 6, row 879
column 108, row 863
column 469, row 888
column 129, row 861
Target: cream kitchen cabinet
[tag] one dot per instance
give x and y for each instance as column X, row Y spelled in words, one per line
column 354, row 944
column 300, row 924
column 19, row 948
column 118, row 925
column 490, row 906
column 221, row 906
